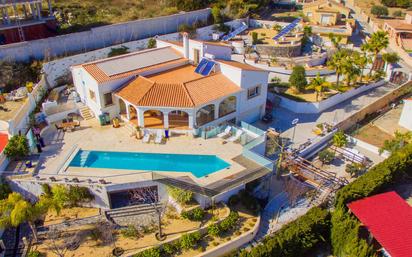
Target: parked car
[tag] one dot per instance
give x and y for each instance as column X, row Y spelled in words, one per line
column 267, row 118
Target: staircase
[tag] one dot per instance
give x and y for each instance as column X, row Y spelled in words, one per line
column 136, row 214
column 85, row 112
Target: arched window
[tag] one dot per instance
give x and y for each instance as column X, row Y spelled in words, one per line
column 205, row 115
column 227, row 106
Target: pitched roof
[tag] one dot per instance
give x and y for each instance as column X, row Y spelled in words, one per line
column 389, row 218
column 166, row 90
column 243, row 66
column 133, row 64
column 4, row 139
column 399, row 24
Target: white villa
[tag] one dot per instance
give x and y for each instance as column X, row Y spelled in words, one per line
column 177, row 86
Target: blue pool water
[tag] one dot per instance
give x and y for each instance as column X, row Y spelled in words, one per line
column 198, row 165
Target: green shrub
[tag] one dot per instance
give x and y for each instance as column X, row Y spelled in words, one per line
column 326, row 156
column 46, row 190
column 233, row 200
column 151, row 43
column 229, row 222
column 354, row 169
column 35, row 253
column 118, row 51
column 213, row 230
column 298, row 78
column 379, row 10
column 170, row 249
column 196, row 214
column 4, row 190
column 297, row 238
column 78, row 194
column 151, row 252
column 180, row 195
column 340, row 139
column 17, row 147
column 130, row 232
column 255, row 38
column 189, row 241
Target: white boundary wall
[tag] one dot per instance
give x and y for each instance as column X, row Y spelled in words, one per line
column 61, row 67
column 100, row 37
column 318, row 107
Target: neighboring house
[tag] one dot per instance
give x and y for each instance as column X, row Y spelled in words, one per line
column 327, row 16
column 406, row 115
column 400, row 31
column 388, row 218
column 167, row 88
column 326, row 12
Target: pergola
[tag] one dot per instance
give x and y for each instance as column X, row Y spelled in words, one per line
column 22, row 10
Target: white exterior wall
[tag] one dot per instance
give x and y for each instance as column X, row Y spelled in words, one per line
column 195, row 45
column 220, row 52
column 406, row 116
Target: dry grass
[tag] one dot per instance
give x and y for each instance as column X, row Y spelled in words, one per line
column 69, row 214
column 173, row 226
column 373, row 135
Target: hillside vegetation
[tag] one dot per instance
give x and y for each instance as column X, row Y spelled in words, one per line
column 78, row 15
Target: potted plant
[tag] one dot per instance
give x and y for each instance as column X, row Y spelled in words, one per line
column 138, row 132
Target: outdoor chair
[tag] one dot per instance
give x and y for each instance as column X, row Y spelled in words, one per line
column 159, row 137
column 225, row 133
column 235, row 137
column 146, row 137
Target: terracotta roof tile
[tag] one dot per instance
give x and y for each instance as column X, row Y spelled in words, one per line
column 399, row 24
column 147, row 92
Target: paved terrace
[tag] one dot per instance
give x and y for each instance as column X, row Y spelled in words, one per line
column 91, row 136
column 307, row 122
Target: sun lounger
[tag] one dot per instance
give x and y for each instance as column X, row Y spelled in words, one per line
column 146, row 137
column 235, row 137
column 159, row 137
column 225, row 133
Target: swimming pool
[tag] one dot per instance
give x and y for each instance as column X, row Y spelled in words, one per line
column 198, row 165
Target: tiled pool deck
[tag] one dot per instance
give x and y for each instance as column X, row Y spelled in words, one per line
column 91, row 136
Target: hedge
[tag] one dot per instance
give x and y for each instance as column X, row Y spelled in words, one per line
column 345, row 227
column 297, row 238
column 196, row 214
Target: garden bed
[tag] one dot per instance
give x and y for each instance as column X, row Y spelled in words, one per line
column 52, row 217
column 129, row 239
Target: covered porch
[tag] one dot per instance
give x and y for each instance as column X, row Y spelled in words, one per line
column 178, row 118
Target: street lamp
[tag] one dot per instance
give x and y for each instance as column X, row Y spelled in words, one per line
column 294, row 123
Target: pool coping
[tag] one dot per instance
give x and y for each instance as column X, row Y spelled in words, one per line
column 203, row 181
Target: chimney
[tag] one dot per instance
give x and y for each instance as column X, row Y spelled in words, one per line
column 185, row 44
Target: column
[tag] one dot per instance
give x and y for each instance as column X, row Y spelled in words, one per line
column 166, row 120
column 24, row 11
column 216, row 111
column 39, row 11
column 140, row 117
column 50, row 7
column 33, row 10
column 127, row 111
column 191, row 121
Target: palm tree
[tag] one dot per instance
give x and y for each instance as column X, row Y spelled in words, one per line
column 335, row 40
column 378, row 41
column 337, row 63
column 390, row 58
column 362, row 60
column 15, row 210
column 319, row 84
column 350, row 70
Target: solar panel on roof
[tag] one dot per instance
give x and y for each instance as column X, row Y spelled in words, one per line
column 287, row 29
column 201, row 66
column 234, row 33
column 208, row 68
